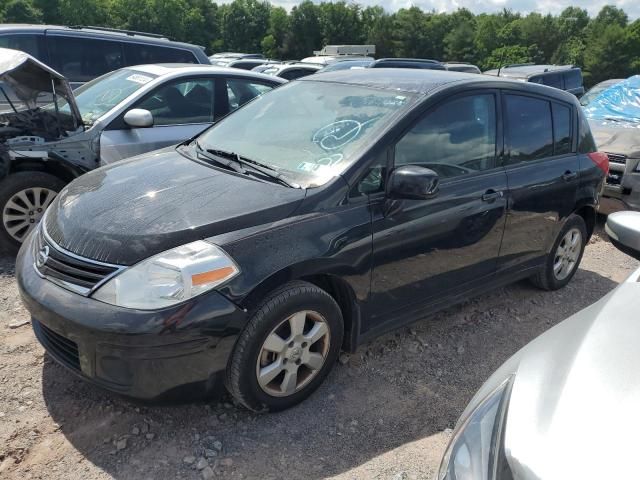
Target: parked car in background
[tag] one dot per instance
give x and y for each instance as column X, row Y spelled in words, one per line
column 121, row 114
column 614, row 116
column 81, row 54
column 336, row 53
column 347, row 65
column 564, row 397
column 594, row 91
column 244, row 61
column 419, row 63
column 236, row 55
column 564, row 77
column 462, row 67
column 313, row 219
column 291, row 70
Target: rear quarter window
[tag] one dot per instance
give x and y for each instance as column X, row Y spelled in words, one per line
column 562, row 129
column 140, row 54
column 573, row 79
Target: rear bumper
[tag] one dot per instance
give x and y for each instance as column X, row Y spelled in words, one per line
column 148, row 355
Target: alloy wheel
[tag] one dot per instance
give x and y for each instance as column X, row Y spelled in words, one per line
column 293, row 354
column 567, row 254
column 24, row 210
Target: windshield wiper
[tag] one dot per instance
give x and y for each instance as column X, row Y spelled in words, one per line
column 265, row 170
column 236, row 167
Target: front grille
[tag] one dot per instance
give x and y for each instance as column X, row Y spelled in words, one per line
column 68, row 270
column 616, row 158
column 62, row 349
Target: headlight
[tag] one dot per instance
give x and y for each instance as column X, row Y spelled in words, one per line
column 475, row 450
column 170, row 277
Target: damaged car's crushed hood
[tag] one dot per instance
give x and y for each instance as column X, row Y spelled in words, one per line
column 127, row 212
column 617, row 137
column 573, row 410
column 29, row 78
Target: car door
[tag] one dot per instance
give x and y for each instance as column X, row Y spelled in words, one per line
column 542, row 170
column 181, row 109
column 427, row 250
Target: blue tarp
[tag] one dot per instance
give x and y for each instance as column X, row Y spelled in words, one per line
column 620, row 102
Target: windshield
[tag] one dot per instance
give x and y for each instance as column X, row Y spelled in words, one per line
column 97, row 97
column 310, row 131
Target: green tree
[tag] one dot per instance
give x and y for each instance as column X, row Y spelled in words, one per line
column 607, row 54
column 340, row 23
column 305, row 35
column 508, row 55
column 378, row 30
column 273, row 43
column 21, row 11
column 459, row 43
column 244, row 24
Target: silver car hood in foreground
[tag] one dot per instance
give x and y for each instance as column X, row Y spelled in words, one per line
column 574, row 410
column 28, row 78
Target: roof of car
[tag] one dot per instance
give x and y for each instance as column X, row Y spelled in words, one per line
column 425, row 81
column 95, row 31
column 524, row 71
column 180, row 69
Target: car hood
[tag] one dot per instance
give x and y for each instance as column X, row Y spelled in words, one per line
column 617, row 137
column 28, row 78
column 129, row 211
column 573, row 410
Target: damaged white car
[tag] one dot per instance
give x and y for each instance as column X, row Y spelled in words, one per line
column 121, row 114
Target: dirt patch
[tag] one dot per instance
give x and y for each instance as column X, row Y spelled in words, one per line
column 385, row 414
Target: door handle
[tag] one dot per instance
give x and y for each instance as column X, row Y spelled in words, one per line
column 491, row 196
column 569, row 175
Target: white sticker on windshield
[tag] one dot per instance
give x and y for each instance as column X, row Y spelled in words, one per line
column 141, row 79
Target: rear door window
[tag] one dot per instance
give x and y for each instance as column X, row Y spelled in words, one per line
column 28, row 43
column 141, row 54
column 456, row 138
column 82, row 59
column 529, row 128
column 562, row 128
column 182, row 102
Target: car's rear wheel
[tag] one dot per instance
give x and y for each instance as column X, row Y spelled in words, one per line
column 24, row 197
column 287, row 349
column 563, row 261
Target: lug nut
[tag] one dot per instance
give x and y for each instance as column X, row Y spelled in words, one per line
column 291, row 344
column 304, row 344
column 298, row 362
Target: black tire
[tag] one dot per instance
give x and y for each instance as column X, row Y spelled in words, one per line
column 546, row 279
column 13, row 184
column 279, row 305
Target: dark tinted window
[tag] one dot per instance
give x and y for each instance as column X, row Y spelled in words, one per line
column 182, row 102
column 550, row 79
column 572, row 79
column 25, row 42
column 529, row 128
column 456, row 138
column 296, row 73
column 83, row 59
column 561, row 129
column 140, row 54
column 241, row 91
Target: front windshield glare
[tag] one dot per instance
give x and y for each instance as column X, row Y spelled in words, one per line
column 97, row 97
column 309, row 130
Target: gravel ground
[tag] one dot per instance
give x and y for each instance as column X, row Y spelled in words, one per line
column 385, row 413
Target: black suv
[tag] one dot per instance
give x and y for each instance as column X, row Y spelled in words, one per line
column 84, row 53
column 564, row 77
column 313, row 219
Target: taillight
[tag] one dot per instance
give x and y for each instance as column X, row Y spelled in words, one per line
column 601, row 160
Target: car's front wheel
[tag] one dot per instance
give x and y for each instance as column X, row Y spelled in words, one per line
column 287, row 349
column 562, row 262
column 24, row 197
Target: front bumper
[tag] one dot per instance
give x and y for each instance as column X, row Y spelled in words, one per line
column 148, row 355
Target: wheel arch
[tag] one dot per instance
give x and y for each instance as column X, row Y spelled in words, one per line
column 588, row 214
column 60, row 169
column 335, row 285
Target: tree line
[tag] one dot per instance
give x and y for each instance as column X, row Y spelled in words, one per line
column 605, row 46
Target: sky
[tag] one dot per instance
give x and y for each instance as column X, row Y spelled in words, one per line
column 632, row 7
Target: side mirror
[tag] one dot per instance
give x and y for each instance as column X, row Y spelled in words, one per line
column 413, row 182
column 623, row 229
column 138, row 118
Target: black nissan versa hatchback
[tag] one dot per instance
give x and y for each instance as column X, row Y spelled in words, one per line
column 313, row 219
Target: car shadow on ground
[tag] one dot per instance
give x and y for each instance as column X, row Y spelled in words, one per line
column 400, row 388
